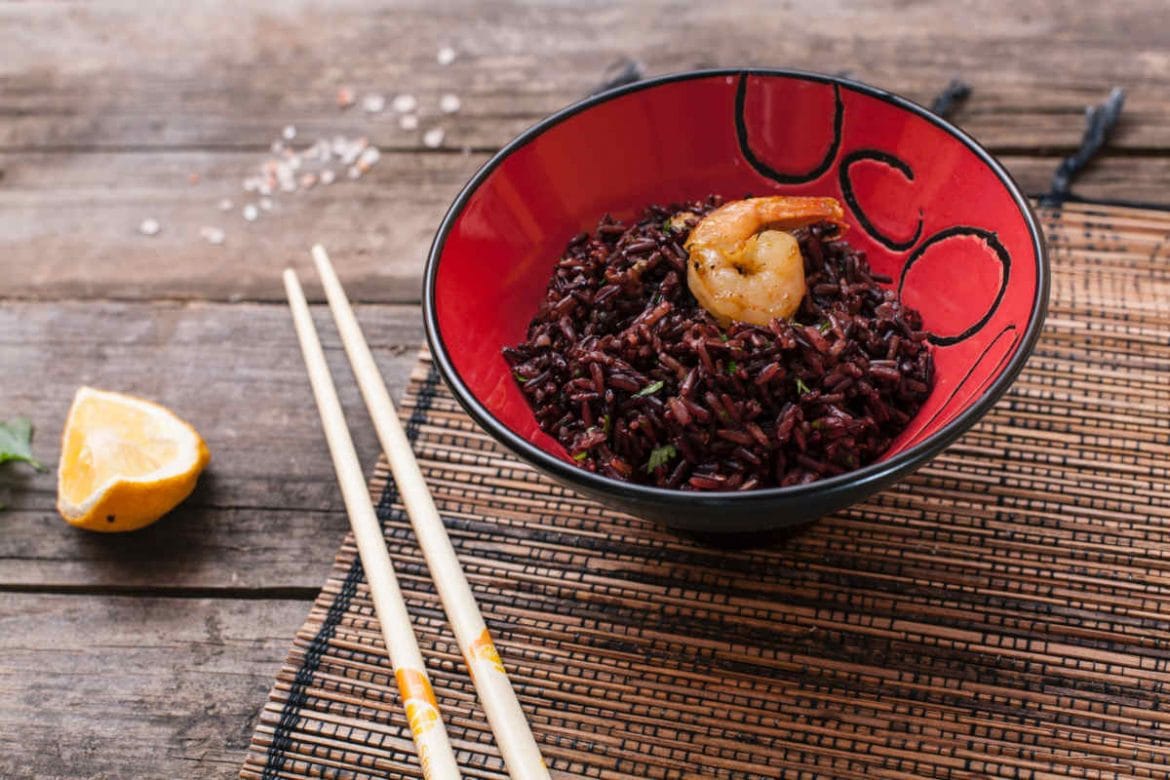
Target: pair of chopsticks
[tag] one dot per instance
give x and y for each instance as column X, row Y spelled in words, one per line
column 507, row 720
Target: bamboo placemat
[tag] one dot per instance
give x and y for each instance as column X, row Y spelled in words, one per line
column 1003, row 612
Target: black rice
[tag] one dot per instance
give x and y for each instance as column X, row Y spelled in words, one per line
column 640, row 383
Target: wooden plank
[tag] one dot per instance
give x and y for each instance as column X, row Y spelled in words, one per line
column 231, row 74
column 112, row 687
column 69, row 226
column 266, row 514
column 69, row 223
column 195, row 550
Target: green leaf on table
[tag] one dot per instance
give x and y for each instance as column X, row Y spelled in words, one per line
column 650, row 389
column 660, row 456
column 16, row 442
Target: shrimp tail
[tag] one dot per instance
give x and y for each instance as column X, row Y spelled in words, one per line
column 793, row 213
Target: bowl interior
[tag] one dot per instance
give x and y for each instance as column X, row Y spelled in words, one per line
column 931, row 210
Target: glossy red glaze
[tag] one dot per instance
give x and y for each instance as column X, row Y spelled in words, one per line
column 930, row 210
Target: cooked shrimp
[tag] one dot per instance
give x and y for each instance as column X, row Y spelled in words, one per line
column 745, row 265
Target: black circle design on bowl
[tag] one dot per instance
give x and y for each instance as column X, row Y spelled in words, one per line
column 975, row 364
column 762, row 167
column 876, row 155
column 1001, row 253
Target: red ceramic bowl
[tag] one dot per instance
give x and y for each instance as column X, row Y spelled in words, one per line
column 931, row 208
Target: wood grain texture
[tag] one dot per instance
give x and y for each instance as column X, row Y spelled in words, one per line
column 266, row 512
column 69, row 226
column 111, row 687
column 228, row 74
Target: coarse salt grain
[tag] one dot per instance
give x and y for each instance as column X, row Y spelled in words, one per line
column 369, row 157
column 277, row 147
column 213, row 235
column 149, row 227
column 433, row 138
column 266, row 204
column 404, row 104
column 225, row 204
column 286, row 179
column 449, row 104
column 318, row 151
column 327, row 176
column 373, row 104
column 351, row 149
column 408, row 122
column 308, row 181
column 354, row 172
column 251, row 212
column 288, row 133
column 446, row 55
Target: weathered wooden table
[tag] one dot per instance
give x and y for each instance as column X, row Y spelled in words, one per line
column 149, row 655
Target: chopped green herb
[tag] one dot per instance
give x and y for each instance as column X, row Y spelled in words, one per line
column 817, row 425
column 605, row 424
column 801, row 387
column 724, row 338
column 16, row 442
column 660, row 456
column 825, row 326
column 732, row 366
column 650, row 389
column 666, row 225
column 580, row 456
column 519, row 377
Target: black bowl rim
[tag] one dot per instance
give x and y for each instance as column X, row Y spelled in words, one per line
column 852, row 482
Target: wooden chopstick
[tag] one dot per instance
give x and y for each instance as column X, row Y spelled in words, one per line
column 504, row 714
column 418, row 698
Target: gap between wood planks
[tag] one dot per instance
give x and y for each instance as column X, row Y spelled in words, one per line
column 167, row 591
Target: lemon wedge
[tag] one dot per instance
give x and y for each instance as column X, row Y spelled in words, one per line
column 125, row 462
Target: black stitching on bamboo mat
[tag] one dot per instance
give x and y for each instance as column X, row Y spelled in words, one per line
column 290, row 713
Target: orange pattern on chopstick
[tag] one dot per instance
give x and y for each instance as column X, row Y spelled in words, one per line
column 483, row 650
column 418, row 697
